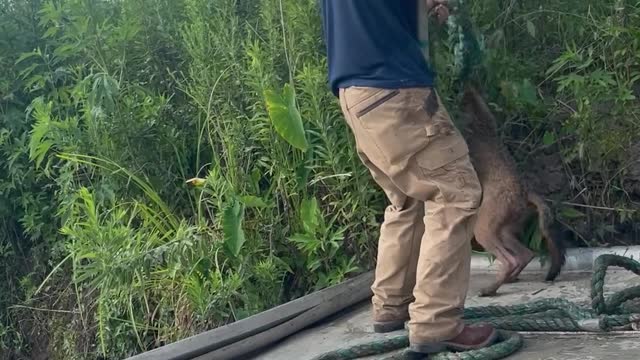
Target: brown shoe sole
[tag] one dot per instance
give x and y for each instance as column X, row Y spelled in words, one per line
column 436, row 347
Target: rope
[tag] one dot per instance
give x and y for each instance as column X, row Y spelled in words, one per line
column 551, row 314
column 467, row 50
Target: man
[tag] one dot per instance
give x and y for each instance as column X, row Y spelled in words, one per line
column 407, row 140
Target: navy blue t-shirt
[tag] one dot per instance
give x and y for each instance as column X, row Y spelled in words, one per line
column 374, row 43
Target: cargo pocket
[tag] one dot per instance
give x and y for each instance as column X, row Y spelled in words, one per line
column 442, row 148
column 445, row 163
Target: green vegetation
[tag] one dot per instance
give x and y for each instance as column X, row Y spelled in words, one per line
column 167, row 167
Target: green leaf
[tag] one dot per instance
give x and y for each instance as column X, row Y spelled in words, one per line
column 536, row 238
column 232, row 228
column 103, row 92
column 531, row 28
column 303, row 239
column 549, row 138
column 39, row 144
column 528, row 231
column 27, row 55
column 306, row 242
column 24, row 73
column 310, row 215
column 571, row 213
column 527, row 92
column 303, row 170
column 64, row 51
column 283, row 264
column 36, row 79
column 253, row 201
column 39, row 153
column 314, row 265
column 53, row 30
column 285, row 117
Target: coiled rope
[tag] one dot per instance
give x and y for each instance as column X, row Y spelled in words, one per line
column 618, row 312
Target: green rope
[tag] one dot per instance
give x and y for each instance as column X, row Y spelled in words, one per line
column 508, row 344
column 598, row 302
column 467, row 51
column 552, row 314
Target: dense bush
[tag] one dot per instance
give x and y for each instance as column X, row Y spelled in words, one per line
column 155, row 179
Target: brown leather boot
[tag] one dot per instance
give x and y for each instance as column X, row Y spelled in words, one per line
column 473, row 337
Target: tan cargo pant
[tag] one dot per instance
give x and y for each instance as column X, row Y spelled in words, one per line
column 407, row 140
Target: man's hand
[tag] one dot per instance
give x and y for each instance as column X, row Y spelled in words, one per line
column 439, row 8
